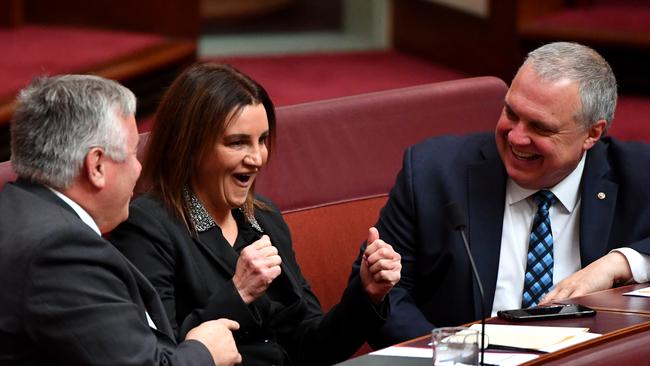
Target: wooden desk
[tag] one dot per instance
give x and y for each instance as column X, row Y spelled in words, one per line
column 613, row 300
column 624, row 322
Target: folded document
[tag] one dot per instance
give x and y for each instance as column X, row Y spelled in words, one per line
column 545, row 339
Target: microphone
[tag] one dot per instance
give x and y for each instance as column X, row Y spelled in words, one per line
column 456, row 219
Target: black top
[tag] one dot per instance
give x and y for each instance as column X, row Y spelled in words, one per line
column 193, row 273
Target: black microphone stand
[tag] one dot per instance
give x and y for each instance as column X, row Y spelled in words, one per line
column 480, row 290
column 457, row 220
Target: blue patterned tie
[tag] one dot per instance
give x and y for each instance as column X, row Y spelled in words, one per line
column 539, row 269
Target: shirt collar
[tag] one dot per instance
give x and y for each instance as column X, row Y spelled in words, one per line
column 83, row 214
column 567, row 190
column 201, row 218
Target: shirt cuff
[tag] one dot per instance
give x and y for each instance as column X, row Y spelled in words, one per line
column 639, row 264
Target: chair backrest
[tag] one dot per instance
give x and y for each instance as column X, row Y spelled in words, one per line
column 7, row 173
column 335, row 161
column 351, row 147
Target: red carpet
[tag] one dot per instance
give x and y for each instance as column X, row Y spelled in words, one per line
column 295, row 79
column 292, row 79
column 35, row 51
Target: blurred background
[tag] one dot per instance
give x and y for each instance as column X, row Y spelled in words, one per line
column 306, row 50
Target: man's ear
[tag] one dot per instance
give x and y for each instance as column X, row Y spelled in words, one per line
column 596, row 131
column 94, row 168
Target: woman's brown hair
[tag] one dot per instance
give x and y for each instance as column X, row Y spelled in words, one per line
column 191, row 117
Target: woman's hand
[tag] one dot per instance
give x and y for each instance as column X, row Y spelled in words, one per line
column 258, row 265
column 380, row 267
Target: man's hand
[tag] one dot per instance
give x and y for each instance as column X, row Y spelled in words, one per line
column 216, row 335
column 599, row 275
column 258, row 265
column 380, row 267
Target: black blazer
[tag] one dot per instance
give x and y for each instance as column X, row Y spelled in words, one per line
column 436, row 285
column 70, row 298
column 194, row 279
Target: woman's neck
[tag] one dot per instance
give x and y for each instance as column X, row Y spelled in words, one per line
column 223, row 217
column 228, row 226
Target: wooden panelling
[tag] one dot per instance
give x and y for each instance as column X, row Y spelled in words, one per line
column 169, row 17
column 11, row 13
column 459, row 40
column 146, row 73
column 295, row 16
column 530, row 10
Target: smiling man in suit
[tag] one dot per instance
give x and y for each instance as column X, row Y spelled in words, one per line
column 550, row 202
column 69, row 297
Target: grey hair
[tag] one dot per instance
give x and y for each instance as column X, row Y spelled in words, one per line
column 59, row 119
column 597, row 83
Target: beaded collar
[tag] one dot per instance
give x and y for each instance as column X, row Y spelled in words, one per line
column 202, row 220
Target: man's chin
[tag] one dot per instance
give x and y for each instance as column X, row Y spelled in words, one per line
column 525, row 181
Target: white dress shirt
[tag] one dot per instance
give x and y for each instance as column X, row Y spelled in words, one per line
column 518, row 217
column 83, row 214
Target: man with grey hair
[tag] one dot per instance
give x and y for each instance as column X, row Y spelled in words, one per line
column 69, row 297
column 549, row 201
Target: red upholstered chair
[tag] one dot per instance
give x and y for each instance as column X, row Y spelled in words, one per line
column 6, row 173
column 335, row 161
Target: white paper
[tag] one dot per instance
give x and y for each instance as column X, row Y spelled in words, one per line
column 405, row 352
column 578, row 338
column 494, row 358
column 541, row 338
column 643, row 292
column 508, row 359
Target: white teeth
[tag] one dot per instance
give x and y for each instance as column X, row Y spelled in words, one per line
column 521, row 154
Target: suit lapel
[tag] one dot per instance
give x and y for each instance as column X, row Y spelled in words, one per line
column 598, row 201
column 223, row 255
column 485, row 220
column 150, row 302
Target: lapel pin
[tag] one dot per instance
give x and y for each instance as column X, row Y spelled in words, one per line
column 601, row 195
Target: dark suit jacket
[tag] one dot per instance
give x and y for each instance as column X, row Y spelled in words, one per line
column 69, row 297
column 436, row 285
column 194, row 279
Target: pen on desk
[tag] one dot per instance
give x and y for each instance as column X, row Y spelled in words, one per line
column 516, row 349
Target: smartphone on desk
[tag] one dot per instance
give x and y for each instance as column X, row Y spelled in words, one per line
column 546, row 313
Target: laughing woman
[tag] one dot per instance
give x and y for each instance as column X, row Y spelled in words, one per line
column 214, row 249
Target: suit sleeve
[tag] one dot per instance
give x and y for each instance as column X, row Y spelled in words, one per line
column 314, row 338
column 631, row 210
column 80, row 307
column 147, row 240
column 398, row 226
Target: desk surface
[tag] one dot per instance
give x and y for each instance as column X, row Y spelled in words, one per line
column 624, row 322
column 613, row 300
